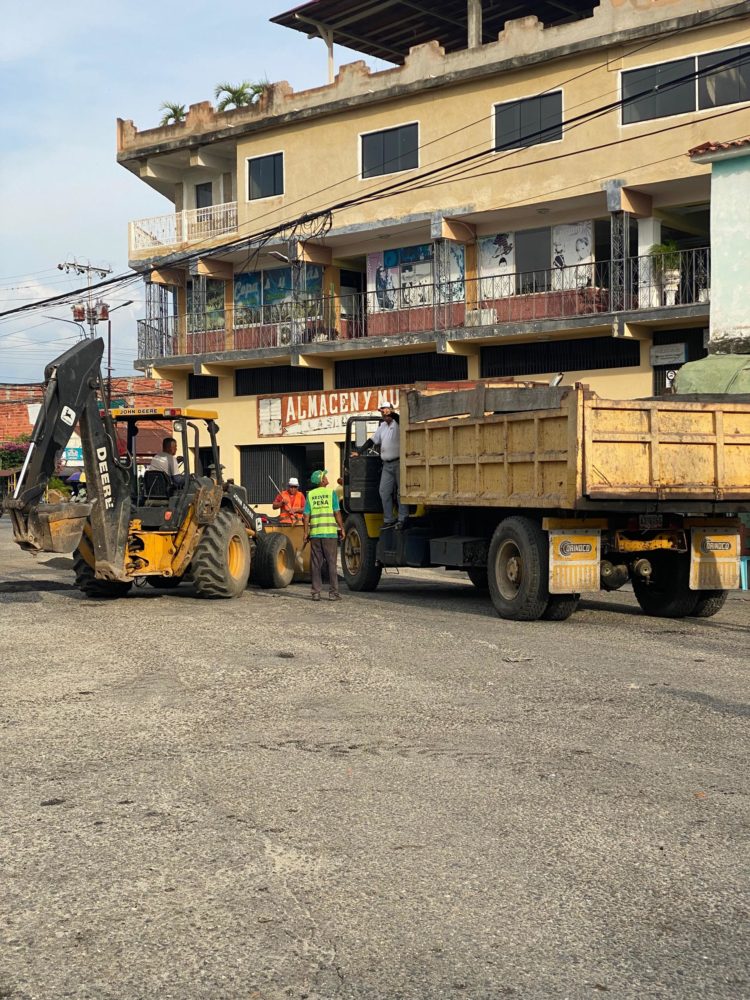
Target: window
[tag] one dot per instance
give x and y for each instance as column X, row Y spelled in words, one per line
column 724, row 78
column 265, row 176
column 203, row 386
column 533, row 258
column 528, row 122
column 390, row 151
column 587, row 354
column 653, row 92
column 204, row 195
column 277, row 378
column 401, row 369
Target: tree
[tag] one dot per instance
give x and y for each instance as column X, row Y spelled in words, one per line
column 173, row 113
column 239, row 96
column 12, row 454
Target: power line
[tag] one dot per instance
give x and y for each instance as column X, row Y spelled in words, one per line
column 404, row 186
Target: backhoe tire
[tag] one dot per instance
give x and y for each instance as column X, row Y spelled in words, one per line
column 164, row 582
column 668, row 593
column 273, row 567
column 710, row 603
column 561, row 607
column 221, row 563
column 358, row 556
column 517, row 569
column 478, row 576
column 87, row 583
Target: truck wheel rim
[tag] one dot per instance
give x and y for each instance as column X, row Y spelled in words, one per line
column 353, row 552
column 509, row 569
column 281, row 561
column 235, row 557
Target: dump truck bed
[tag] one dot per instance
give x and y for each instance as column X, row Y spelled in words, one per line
column 565, row 448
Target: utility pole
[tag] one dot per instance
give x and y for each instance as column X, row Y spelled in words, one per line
column 89, row 311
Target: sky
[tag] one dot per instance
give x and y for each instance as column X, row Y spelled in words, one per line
column 67, row 72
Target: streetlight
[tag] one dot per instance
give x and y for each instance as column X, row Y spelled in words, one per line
column 59, row 319
column 128, row 302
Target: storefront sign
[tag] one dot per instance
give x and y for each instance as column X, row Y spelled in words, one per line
column 668, row 354
column 318, row 412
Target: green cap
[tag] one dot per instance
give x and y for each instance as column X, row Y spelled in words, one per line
column 316, row 477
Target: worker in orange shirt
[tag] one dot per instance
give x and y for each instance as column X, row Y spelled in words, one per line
column 291, row 503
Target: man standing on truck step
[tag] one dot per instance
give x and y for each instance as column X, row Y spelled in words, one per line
column 291, row 501
column 323, row 528
column 386, row 438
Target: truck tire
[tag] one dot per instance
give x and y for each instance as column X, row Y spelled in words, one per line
column 710, row 602
column 358, row 556
column 478, row 576
column 668, row 593
column 164, row 582
column 274, row 561
column 221, row 563
column 87, row 583
column 517, row 569
column 561, row 607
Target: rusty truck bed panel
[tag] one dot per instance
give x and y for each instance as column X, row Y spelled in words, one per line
column 495, row 445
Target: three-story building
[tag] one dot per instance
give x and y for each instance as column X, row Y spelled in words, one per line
column 512, row 199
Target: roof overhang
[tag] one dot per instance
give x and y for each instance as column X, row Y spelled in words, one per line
column 387, row 29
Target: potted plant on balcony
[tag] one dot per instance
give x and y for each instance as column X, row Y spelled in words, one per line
column 665, row 263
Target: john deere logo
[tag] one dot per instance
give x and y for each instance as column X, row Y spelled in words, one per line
column 711, row 545
column 570, row 548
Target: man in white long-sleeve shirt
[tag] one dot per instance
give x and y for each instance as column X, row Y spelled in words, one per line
column 386, row 438
column 166, row 461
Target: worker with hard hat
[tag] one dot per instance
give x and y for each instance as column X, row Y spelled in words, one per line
column 291, row 502
column 387, row 440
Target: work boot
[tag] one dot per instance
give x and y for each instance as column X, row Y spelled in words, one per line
column 334, row 596
column 315, row 597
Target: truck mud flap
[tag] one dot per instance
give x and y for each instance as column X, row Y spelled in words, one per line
column 714, row 559
column 574, row 560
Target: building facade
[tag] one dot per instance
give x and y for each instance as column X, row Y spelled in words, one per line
column 513, row 199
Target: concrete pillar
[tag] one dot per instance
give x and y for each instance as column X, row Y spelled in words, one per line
column 730, row 255
column 650, row 289
column 474, row 23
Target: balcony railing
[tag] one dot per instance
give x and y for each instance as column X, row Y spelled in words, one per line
column 191, row 226
column 639, row 283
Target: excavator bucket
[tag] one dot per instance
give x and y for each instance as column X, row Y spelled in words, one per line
column 50, row 527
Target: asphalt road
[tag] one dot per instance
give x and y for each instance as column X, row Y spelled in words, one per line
column 397, row 796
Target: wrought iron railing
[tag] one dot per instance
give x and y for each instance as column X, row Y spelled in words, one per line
column 549, row 293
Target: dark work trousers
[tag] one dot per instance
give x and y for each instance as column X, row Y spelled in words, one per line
column 324, row 550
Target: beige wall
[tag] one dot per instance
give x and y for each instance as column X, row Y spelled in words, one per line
column 324, row 153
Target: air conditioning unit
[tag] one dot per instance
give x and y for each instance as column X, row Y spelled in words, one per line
column 481, row 317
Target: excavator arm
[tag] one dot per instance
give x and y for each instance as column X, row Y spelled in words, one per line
column 71, row 396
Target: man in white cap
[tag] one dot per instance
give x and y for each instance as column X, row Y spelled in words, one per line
column 291, row 503
column 386, row 439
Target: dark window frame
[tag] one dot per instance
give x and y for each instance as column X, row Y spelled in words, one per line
column 700, row 62
column 525, row 105
column 278, row 175
column 366, row 173
column 202, row 386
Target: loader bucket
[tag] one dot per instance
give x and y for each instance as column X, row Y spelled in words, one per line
column 51, row 527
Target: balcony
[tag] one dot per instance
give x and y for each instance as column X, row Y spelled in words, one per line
column 195, row 225
column 638, row 284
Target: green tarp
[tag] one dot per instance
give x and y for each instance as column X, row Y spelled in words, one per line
column 718, row 373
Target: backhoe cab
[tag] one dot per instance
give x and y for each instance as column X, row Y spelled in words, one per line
column 151, row 526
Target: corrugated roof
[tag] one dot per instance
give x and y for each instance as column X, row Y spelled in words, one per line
column 387, row 29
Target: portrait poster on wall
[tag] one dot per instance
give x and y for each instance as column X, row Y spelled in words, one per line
column 383, row 282
column 497, row 265
column 573, row 255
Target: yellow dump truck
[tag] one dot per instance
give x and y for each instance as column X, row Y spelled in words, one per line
column 540, row 493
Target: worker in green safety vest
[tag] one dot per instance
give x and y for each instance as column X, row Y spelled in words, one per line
column 323, row 528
